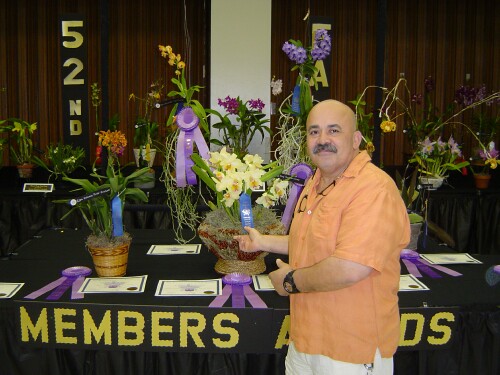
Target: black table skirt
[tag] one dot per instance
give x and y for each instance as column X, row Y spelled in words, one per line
column 475, row 348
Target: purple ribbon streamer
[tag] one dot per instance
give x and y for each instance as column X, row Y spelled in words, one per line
column 71, row 277
column 220, row 300
column 46, row 288
column 189, row 135
column 443, row 269
column 237, row 286
column 416, row 266
column 302, row 171
column 253, row 298
column 238, row 298
column 75, row 294
column 412, row 268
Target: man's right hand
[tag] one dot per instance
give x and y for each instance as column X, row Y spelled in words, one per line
column 251, row 242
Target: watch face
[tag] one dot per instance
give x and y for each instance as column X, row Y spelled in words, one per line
column 287, row 286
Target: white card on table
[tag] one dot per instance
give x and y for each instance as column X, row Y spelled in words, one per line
column 450, row 258
column 7, row 290
column 262, row 283
column 128, row 284
column 409, row 283
column 174, row 249
column 177, row 288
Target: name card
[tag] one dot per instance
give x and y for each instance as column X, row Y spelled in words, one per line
column 37, row 188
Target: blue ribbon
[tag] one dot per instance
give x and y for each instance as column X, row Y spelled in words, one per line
column 246, row 210
column 116, row 216
column 296, row 100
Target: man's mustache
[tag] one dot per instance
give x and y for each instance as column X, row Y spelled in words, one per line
column 324, row 147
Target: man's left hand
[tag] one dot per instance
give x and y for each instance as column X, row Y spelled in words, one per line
column 278, row 276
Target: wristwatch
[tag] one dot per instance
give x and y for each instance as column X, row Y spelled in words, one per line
column 289, row 284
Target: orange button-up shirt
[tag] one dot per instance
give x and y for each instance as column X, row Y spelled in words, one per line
column 362, row 219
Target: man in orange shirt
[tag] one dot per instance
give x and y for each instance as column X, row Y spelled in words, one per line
column 349, row 227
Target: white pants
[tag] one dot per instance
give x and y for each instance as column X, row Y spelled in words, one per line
column 297, row 363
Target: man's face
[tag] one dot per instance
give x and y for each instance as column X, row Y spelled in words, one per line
column 331, row 138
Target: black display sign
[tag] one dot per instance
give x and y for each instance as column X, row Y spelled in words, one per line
column 74, row 90
column 194, row 329
column 323, row 77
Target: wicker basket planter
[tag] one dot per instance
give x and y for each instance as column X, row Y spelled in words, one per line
column 217, row 231
column 110, row 260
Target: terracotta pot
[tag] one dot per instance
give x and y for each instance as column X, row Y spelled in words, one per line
column 217, row 231
column 482, row 181
column 25, row 170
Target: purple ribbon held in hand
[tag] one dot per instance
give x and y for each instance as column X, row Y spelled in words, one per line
column 71, row 277
column 237, row 285
column 302, row 171
column 416, row 266
column 189, row 135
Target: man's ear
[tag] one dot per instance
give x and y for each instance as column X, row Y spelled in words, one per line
column 356, row 139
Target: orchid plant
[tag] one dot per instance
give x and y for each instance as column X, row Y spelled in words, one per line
column 97, row 212
column 249, row 118
column 61, row 159
column 294, row 109
column 228, row 177
column 436, row 158
column 486, row 159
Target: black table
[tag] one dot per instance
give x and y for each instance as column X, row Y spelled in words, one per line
column 452, row 329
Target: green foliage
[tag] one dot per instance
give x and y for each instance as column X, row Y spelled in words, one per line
column 237, row 137
column 61, row 159
column 97, row 211
column 22, row 132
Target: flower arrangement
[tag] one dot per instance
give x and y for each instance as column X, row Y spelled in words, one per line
column 107, row 194
column 22, row 132
column 237, row 137
column 485, row 160
column 424, row 127
column 146, row 130
column 437, row 158
column 229, row 177
column 486, row 119
column 61, row 159
column 294, row 109
column 183, row 91
column 185, row 216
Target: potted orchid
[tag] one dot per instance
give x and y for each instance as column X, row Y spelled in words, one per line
column 101, row 207
column 22, row 131
column 61, row 159
column 249, row 118
column 435, row 158
column 233, row 179
column 486, row 159
column 146, row 130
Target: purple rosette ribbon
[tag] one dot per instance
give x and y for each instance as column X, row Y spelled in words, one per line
column 418, row 266
column 237, row 286
column 189, row 135
column 71, row 277
column 302, row 171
